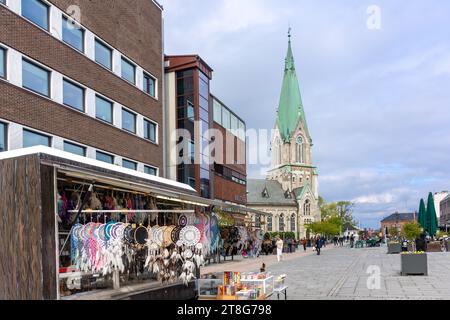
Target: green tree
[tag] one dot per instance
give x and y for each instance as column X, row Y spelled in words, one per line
column 393, row 232
column 345, row 211
column 411, row 231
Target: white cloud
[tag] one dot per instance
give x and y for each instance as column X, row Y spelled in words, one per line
column 385, row 198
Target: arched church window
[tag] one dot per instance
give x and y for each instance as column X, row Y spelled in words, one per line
column 281, row 223
column 278, row 151
column 293, row 222
column 300, row 152
column 307, row 208
column 269, row 223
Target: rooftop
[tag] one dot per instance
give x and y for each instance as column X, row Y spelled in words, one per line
column 400, row 217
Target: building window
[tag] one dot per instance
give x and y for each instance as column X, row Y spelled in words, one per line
column 2, row 63
column 150, row 131
column 103, row 109
column 269, row 223
column 293, row 222
column 31, row 139
column 191, row 182
column 192, row 151
column 36, row 11
column 73, row 34
column 35, row 78
column 128, row 121
column 3, row 2
column 300, row 150
column 281, row 223
column 307, row 208
column 190, row 111
column 150, row 170
column 3, row 137
column 103, row 54
column 104, row 157
column 128, row 71
column 226, row 119
column 217, row 112
column 73, row 95
column 129, row 164
column 75, row 149
column 149, row 85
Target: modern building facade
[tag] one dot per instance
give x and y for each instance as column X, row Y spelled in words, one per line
column 444, row 207
column 290, row 193
column 205, row 139
column 438, row 197
column 90, row 86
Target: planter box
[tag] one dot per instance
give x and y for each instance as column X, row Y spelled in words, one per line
column 414, row 264
column 394, row 248
column 434, row 247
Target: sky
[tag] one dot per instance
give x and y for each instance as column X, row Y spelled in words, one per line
column 377, row 100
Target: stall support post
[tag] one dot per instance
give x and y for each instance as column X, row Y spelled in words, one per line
column 116, row 280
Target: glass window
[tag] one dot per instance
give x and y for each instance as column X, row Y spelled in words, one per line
column 74, row 148
column 150, row 170
column 103, row 109
column 73, row 95
column 149, row 85
column 226, row 118
column 192, row 151
column 103, row 54
column 281, row 223
column 36, row 11
column 104, row 157
column 31, row 139
column 35, row 78
column 73, row 34
column 234, row 124
column 3, row 1
column 217, row 112
column 129, row 164
column 128, row 71
column 204, row 103
column 150, row 131
column 242, row 132
column 204, row 88
column 269, row 223
column 191, row 182
column 190, row 111
column 128, row 121
column 2, row 63
column 3, row 135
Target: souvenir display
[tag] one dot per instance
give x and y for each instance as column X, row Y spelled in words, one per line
column 190, row 235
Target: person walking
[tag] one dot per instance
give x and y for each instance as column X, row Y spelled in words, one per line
column 289, row 244
column 304, row 243
column 318, row 245
column 352, row 241
column 280, row 245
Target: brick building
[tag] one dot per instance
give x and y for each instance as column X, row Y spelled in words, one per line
column 91, row 87
column 397, row 220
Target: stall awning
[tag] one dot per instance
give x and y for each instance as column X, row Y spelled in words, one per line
column 75, row 166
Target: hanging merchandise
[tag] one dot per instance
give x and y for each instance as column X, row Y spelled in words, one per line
column 190, row 236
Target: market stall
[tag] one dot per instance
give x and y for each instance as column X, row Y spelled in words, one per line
column 82, row 229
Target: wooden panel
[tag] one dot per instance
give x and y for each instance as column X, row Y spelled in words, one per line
column 48, row 233
column 20, row 237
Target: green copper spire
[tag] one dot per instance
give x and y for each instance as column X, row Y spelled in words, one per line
column 290, row 110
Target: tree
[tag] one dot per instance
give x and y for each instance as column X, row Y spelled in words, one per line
column 345, row 211
column 432, row 223
column 393, row 232
column 411, row 231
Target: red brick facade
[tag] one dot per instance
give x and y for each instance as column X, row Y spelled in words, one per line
column 133, row 27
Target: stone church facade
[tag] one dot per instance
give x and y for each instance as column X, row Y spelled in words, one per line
column 289, row 195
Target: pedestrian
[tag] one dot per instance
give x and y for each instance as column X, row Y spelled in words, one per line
column 304, row 243
column 318, row 245
column 352, row 241
column 280, row 245
column 289, row 243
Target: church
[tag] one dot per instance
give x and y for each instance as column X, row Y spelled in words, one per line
column 290, row 193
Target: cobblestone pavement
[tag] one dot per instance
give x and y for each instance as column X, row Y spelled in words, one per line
column 342, row 274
